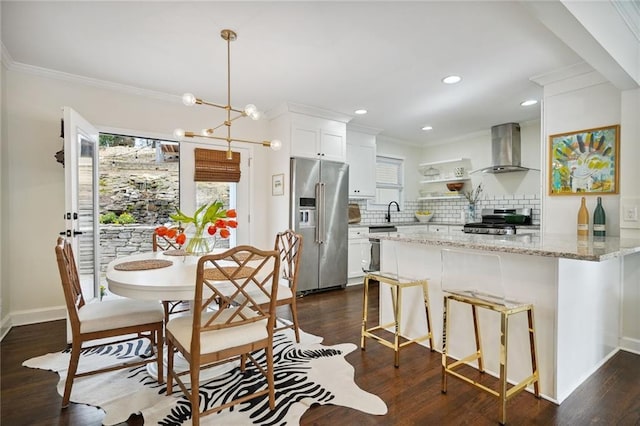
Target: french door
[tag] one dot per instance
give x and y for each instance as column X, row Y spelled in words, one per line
column 81, row 198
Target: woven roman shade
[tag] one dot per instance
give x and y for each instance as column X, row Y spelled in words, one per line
column 213, row 166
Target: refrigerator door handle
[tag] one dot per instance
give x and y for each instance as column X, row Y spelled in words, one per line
column 320, row 213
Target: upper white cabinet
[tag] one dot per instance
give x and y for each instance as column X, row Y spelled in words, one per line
column 311, row 133
column 313, row 137
column 361, row 156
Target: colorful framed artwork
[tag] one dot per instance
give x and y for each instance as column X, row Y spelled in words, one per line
column 585, row 161
column 277, row 184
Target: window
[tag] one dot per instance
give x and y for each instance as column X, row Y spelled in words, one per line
column 138, row 179
column 234, row 195
column 389, row 180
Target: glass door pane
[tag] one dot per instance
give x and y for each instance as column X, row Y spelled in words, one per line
column 87, row 224
column 81, row 197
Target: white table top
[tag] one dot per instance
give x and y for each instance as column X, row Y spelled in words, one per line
column 175, row 282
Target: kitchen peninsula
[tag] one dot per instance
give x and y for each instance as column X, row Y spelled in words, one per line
column 575, row 286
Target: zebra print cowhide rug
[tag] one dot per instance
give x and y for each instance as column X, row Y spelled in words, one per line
column 305, row 374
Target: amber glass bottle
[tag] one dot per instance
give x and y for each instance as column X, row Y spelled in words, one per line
column 583, row 219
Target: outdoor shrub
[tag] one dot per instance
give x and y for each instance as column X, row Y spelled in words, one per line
column 126, row 218
column 109, row 217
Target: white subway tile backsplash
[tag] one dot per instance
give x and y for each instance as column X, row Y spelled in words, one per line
column 449, row 211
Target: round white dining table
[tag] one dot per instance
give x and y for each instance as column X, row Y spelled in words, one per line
column 174, row 282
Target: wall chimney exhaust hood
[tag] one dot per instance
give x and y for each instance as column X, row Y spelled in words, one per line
column 505, row 150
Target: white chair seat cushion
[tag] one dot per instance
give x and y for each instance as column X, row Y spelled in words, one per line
column 284, row 292
column 216, row 340
column 118, row 313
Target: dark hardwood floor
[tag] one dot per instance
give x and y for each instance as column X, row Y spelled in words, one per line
column 412, row 392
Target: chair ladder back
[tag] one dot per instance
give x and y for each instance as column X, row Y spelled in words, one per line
column 289, row 247
column 240, row 267
column 163, row 243
column 70, row 279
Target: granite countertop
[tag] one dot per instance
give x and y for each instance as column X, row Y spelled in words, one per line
column 550, row 245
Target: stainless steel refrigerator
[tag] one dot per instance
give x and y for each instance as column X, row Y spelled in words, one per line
column 319, row 211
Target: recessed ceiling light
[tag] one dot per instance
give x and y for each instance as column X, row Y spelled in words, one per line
column 427, row 128
column 452, row 79
column 528, row 102
column 360, row 111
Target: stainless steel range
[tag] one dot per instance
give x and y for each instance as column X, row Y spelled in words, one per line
column 499, row 221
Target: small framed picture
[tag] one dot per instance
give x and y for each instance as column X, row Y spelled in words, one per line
column 277, row 184
column 585, row 161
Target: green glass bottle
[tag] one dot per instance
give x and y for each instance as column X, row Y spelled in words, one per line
column 599, row 220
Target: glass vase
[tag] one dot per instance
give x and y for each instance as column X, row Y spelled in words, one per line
column 198, row 241
column 471, row 213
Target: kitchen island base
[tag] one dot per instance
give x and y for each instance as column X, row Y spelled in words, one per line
column 577, row 305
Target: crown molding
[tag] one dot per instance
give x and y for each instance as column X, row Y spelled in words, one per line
column 19, row 67
column 630, row 13
column 363, row 129
column 307, row 110
column 570, row 71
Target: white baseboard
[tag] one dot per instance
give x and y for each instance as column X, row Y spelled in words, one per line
column 630, row 345
column 564, row 394
column 5, row 326
column 32, row 316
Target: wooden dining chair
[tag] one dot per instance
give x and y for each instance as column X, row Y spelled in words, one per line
column 213, row 335
column 162, row 243
column 289, row 247
column 126, row 318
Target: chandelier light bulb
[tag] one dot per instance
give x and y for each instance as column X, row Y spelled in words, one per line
column 275, row 145
column 206, row 132
column 178, row 133
column 252, row 112
column 189, row 99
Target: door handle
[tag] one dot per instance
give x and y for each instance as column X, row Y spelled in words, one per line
column 76, row 232
column 321, row 214
column 318, row 212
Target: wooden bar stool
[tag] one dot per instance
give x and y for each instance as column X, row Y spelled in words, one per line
column 396, row 284
column 475, row 279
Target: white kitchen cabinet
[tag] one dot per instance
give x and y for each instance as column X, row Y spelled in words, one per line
column 412, row 229
column 454, row 229
column 313, row 137
column 527, row 231
column 310, row 132
column 359, row 246
column 361, row 157
column 441, row 229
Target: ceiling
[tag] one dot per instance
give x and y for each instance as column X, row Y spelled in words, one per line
column 386, row 57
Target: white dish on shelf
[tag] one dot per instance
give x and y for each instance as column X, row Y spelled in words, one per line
column 430, row 173
column 424, row 217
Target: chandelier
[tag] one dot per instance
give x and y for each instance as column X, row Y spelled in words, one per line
column 232, row 113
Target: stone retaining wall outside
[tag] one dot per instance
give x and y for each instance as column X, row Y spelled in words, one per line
column 123, row 240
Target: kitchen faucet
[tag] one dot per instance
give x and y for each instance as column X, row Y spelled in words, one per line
column 388, row 216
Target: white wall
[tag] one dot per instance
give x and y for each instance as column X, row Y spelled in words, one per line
column 575, row 104
column 33, row 182
column 477, row 147
column 630, row 160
